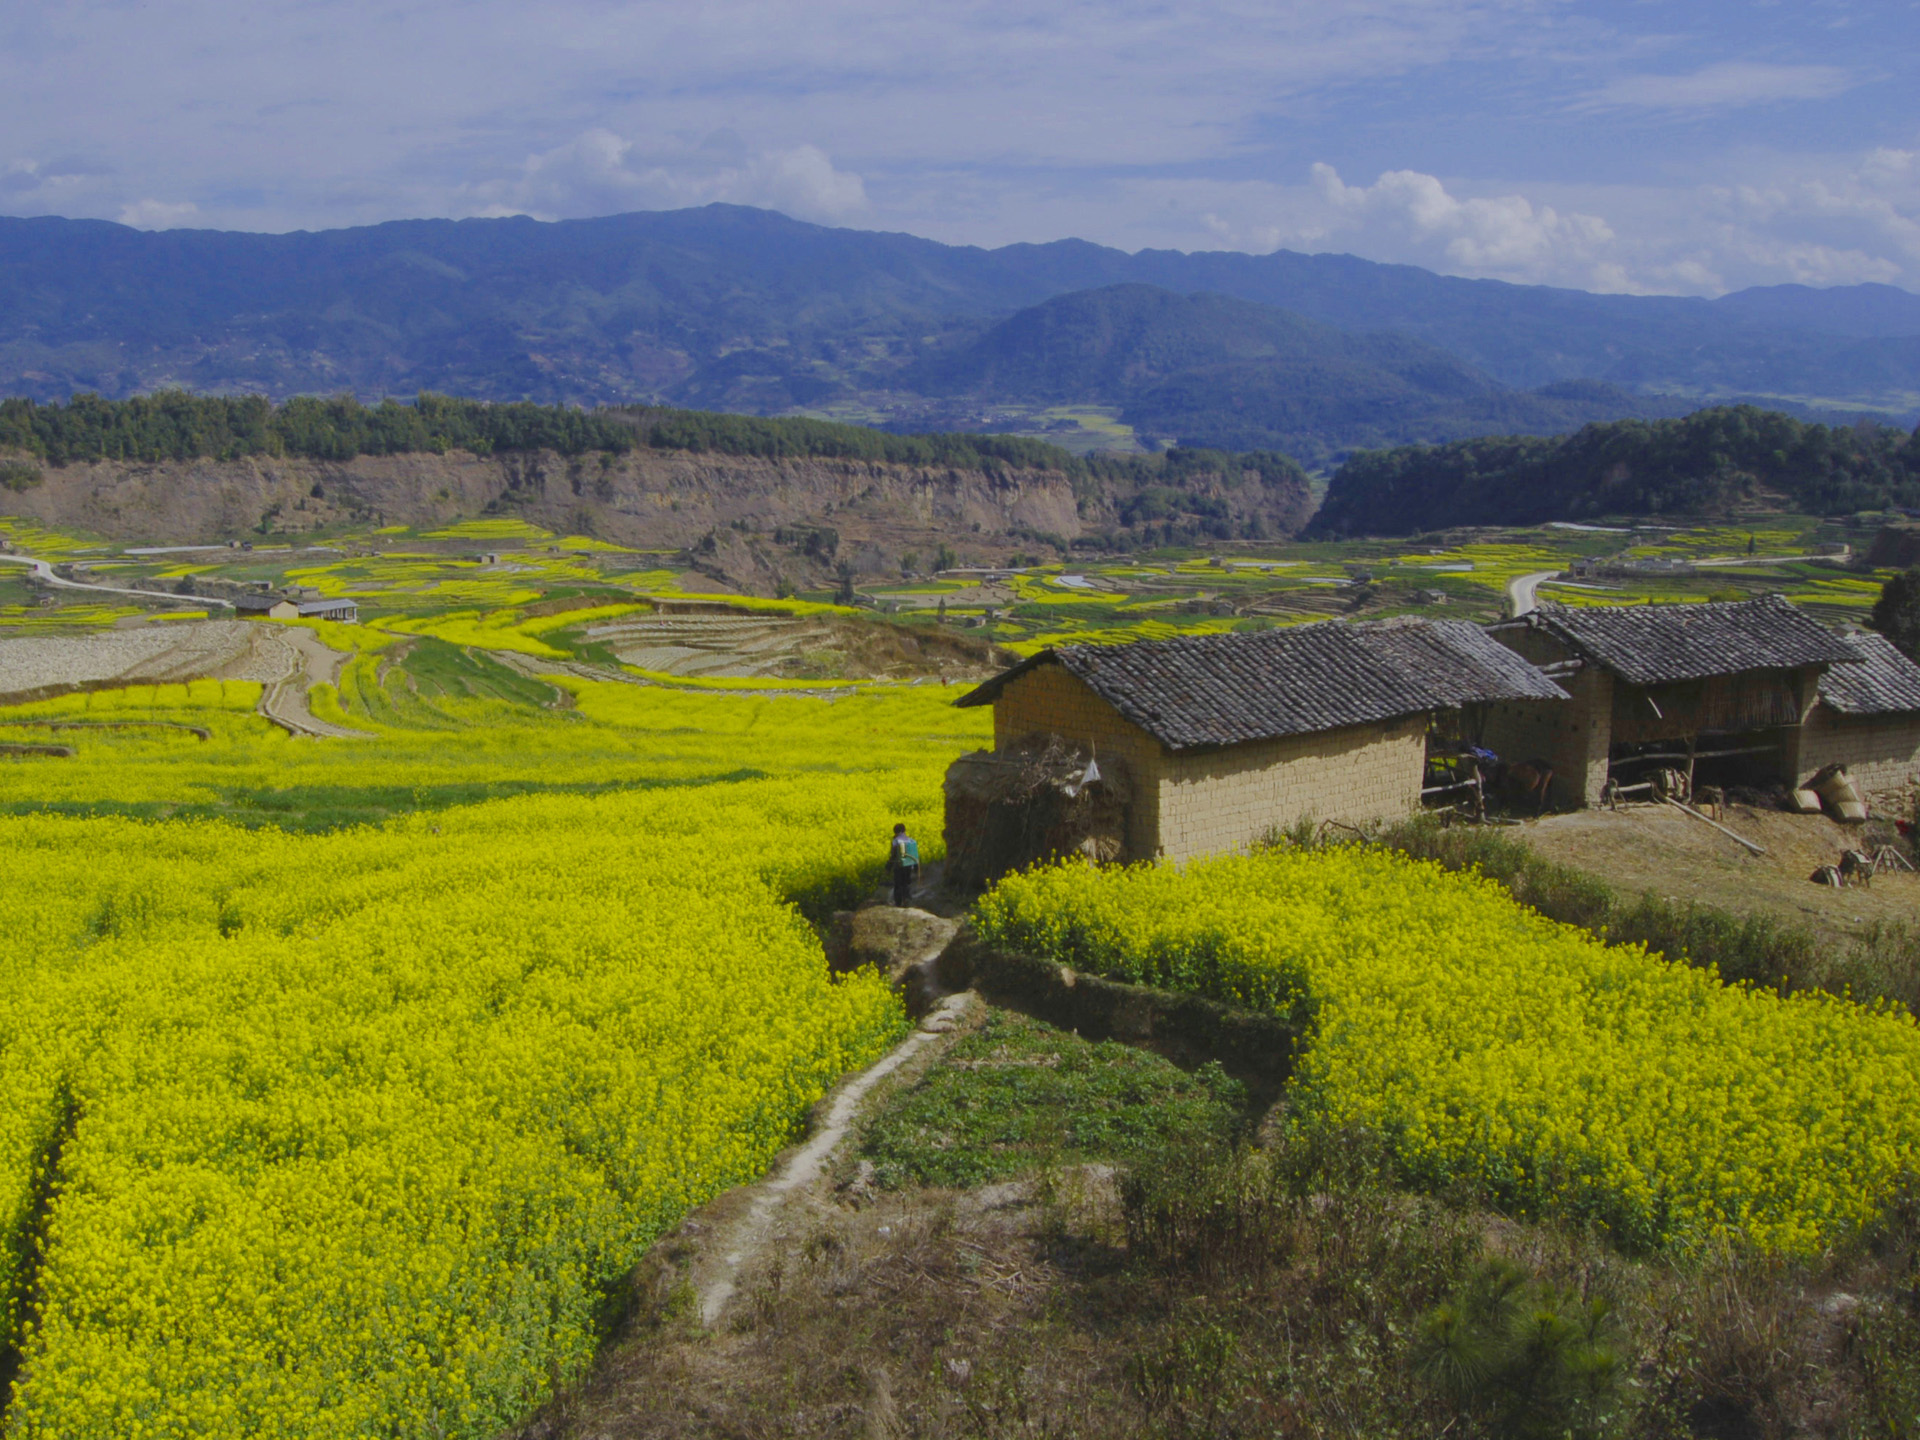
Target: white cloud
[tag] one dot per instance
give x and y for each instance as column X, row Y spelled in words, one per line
column 1504, row 235
column 159, row 214
column 1413, row 218
column 1727, row 85
column 599, row 173
column 35, row 187
column 1499, row 130
column 1820, row 220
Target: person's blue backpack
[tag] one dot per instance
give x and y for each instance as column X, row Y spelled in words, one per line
column 910, row 851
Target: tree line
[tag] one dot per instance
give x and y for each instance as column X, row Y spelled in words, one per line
column 176, row 425
column 1706, row 463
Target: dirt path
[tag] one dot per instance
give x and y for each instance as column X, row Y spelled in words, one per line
column 300, row 661
column 1522, row 590
column 742, row 1224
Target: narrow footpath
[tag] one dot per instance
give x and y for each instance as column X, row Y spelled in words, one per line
column 748, row 1220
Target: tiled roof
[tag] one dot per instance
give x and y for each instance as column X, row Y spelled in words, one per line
column 1209, row 690
column 1884, row 683
column 1656, row 644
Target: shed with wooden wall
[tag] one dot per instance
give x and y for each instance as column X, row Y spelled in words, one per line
column 1664, row 680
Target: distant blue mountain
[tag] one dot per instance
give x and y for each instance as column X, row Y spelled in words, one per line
column 734, row 308
column 1212, row 370
column 1868, row 312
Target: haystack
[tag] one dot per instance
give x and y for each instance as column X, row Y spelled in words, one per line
column 1034, row 801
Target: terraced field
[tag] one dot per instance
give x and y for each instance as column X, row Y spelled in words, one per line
column 712, row 646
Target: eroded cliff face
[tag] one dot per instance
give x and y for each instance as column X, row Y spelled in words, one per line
column 753, row 520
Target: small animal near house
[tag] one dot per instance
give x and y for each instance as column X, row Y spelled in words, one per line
column 1521, row 782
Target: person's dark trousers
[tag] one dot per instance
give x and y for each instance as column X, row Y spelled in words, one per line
column 903, row 884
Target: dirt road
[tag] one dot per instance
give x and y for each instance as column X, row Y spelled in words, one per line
column 1522, row 589
column 302, row 662
column 44, row 573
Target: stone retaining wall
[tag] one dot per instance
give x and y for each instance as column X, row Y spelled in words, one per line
column 1256, row 1049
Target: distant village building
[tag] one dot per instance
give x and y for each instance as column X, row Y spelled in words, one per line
column 278, row 607
column 1731, row 683
column 266, row 607
column 1868, row 720
column 345, row 612
column 1623, row 566
column 1216, row 740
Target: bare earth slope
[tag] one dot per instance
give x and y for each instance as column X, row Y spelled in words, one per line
column 646, row 498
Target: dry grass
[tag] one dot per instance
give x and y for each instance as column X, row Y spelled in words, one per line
column 1660, row 850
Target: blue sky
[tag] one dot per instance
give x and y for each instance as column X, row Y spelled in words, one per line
column 1671, row 147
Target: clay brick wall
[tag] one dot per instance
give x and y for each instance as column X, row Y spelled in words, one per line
column 1225, row 799
column 1573, row 735
column 1228, row 799
column 1881, row 753
column 1050, row 700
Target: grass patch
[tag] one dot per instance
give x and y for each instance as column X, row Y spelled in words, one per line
column 1018, row 1096
column 439, row 668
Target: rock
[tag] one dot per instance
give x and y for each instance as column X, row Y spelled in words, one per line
column 860, row 1190
column 902, row 944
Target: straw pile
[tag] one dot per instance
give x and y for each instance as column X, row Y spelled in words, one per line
column 1011, row 808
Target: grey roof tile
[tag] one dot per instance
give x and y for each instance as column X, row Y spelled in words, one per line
column 1657, row 644
column 1211, row 690
column 1886, row 682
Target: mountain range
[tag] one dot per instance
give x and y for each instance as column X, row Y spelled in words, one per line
column 731, row 308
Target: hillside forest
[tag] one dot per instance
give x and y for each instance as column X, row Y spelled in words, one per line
column 1717, row 461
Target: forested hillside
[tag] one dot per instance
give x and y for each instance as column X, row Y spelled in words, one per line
column 175, row 425
column 1711, row 462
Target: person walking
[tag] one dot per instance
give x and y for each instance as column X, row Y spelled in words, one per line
column 903, row 863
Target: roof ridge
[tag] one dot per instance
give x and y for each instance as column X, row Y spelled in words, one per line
column 1659, row 644
column 1198, row 691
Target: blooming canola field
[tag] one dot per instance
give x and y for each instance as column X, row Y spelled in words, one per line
column 345, row 1080
column 1490, row 1046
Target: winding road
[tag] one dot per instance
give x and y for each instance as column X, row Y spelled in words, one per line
column 1520, row 591
column 44, row 572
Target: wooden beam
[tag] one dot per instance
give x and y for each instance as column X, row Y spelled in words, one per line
column 1704, row 820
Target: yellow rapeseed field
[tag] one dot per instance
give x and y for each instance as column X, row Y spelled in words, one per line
column 355, row 1131
column 1492, row 1046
